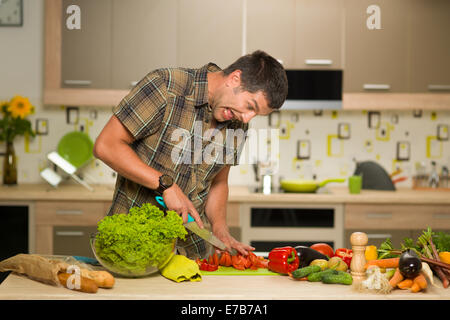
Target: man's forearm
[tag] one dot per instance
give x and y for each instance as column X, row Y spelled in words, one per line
column 216, row 205
column 126, row 162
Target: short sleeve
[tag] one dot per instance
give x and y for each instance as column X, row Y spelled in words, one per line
column 142, row 110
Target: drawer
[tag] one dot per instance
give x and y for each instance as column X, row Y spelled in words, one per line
column 73, row 240
column 403, row 217
column 378, row 236
column 84, row 213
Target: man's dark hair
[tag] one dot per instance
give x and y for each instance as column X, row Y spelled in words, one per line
column 261, row 72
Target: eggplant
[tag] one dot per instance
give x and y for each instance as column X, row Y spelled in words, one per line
column 306, row 255
column 409, row 264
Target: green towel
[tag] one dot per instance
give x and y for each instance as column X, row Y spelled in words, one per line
column 180, row 268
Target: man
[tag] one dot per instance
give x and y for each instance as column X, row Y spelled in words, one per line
column 140, row 141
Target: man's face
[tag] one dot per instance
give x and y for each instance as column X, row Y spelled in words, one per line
column 231, row 103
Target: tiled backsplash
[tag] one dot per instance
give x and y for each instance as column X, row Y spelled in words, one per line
column 312, row 143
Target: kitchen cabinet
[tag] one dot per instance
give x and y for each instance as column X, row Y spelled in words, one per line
column 68, row 222
column 303, row 34
column 376, row 60
column 86, row 52
column 430, row 46
column 395, row 221
column 318, row 34
column 208, row 31
column 271, row 28
column 143, row 36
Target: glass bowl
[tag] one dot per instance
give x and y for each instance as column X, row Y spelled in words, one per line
column 124, row 272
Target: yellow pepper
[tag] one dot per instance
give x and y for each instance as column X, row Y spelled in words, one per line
column 445, row 256
column 371, row 253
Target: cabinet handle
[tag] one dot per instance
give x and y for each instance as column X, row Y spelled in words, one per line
column 441, row 215
column 371, row 86
column 379, row 235
column 78, row 82
column 380, row 215
column 318, row 62
column 78, row 212
column 70, row 233
column 439, row 87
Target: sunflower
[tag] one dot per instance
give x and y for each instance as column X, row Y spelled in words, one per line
column 20, row 107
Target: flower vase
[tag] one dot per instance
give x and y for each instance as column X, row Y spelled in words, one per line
column 10, row 165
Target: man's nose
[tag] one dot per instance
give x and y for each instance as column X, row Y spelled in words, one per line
column 246, row 117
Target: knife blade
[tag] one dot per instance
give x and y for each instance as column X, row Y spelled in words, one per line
column 191, row 225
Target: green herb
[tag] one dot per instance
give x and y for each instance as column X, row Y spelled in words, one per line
column 442, row 241
column 385, row 250
column 133, row 241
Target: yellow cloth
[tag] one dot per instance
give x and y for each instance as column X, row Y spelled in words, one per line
column 180, row 268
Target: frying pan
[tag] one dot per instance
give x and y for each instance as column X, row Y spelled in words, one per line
column 305, row 185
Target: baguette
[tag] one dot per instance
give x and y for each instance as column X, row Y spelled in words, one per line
column 86, row 285
column 103, row 279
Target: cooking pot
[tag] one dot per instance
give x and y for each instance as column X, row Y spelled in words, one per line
column 305, row 185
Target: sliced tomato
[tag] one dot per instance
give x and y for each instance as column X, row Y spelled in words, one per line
column 213, row 259
column 225, row 259
column 238, row 262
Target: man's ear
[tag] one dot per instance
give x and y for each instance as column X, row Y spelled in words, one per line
column 234, row 79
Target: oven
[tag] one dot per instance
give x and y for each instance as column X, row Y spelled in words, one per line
column 271, row 225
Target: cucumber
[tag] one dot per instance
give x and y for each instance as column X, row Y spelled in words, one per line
column 305, row 271
column 340, row 278
column 317, row 276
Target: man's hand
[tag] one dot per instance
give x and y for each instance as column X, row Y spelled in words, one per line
column 224, row 235
column 176, row 200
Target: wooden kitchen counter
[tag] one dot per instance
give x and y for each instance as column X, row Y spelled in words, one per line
column 210, row 288
column 31, row 192
column 341, row 195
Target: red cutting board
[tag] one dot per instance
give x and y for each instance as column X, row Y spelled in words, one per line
column 230, row 271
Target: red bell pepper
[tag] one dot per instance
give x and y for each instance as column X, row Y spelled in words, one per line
column 283, row 260
column 345, row 254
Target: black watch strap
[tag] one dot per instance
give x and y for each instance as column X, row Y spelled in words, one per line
column 165, row 182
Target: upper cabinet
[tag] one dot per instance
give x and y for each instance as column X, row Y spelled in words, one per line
column 208, row 31
column 303, row 34
column 429, row 52
column 271, row 27
column 318, row 34
column 144, row 37
column 394, row 54
column 376, row 46
column 86, row 52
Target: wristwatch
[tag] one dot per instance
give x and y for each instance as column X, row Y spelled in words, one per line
column 165, row 182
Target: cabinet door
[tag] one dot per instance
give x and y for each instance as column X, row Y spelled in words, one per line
column 73, row 240
column 86, row 52
column 209, row 31
column 271, row 28
column 430, row 45
column 143, row 39
column 376, row 59
column 318, row 34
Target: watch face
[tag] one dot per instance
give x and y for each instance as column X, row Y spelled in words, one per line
column 11, row 13
column 166, row 180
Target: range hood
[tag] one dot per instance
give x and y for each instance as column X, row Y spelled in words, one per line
column 313, row 90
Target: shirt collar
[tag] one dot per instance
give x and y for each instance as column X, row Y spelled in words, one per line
column 201, row 83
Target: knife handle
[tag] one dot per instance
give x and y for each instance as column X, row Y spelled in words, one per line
column 162, row 203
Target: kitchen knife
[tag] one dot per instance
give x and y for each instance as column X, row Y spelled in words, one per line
column 191, row 225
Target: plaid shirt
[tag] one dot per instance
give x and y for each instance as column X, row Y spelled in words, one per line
column 168, row 114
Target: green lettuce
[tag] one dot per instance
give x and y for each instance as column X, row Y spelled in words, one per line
column 143, row 237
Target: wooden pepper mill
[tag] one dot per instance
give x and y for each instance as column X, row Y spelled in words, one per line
column 358, row 241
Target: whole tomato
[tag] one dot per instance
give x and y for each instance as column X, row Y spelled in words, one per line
column 324, row 249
